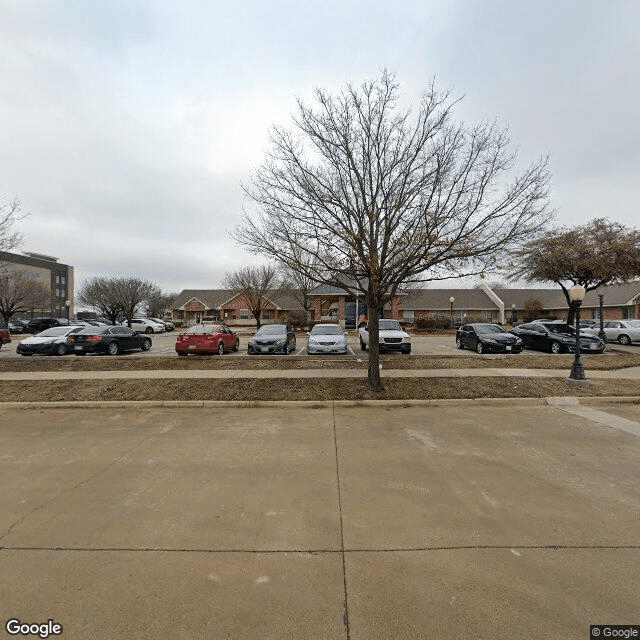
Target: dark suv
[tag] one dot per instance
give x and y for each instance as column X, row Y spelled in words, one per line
column 36, row 325
column 5, row 338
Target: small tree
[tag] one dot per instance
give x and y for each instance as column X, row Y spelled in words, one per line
column 21, row 294
column 253, row 284
column 117, row 296
column 10, row 214
column 592, row 255
column 158, row 305
column 367, row 198
column 532, row 308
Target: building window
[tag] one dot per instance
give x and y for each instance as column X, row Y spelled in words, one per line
column 57, row 279
column 486, row 316
column 628, row 313
column 244, row 314
column 58, row 293
column 408, row 316
column 266, row 314
column 63, row 280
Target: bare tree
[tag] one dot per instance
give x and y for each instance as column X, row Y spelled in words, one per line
column 158, row 305
column 10, row 214
column 298, row 284
column 117, row 296
column 380, row 197
column 20, row 294
column 598, row 253
column 253, row 284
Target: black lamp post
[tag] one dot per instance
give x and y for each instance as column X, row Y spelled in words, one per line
column 601, row 334
column 576, row 295
column 67, row 304
column 451, row 301
column 513, row 314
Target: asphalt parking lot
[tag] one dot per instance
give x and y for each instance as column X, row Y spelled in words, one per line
column 163, row 345
column 322, row 521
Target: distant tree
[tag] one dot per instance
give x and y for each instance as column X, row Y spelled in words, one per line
column 115, row 297
column 10, row 214
column 598, row 253
column 20, row 294
column 365, row 197
column 158, row 305
column 253, row 284
column 298, row 284
column 532, row 308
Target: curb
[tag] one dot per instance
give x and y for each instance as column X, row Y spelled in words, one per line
column 320, row 404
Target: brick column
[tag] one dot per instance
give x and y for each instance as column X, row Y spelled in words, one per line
column 341, row 311
column 395, row 311
column 318, row 310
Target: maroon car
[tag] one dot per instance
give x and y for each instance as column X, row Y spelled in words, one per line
column 5, row 338
column 207, row 338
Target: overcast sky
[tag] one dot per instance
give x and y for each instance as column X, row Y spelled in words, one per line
column 127, row 127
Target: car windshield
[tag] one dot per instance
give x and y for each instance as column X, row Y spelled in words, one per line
column 199, row 329
column 271, row 330
column 54, row 332
column 326, row 330
column 559, row 328
column 390, row 325
column 489, row 328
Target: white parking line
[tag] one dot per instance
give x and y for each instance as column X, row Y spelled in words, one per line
column 301, row 350
column 351, row 351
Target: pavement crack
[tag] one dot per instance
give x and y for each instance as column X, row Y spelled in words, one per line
column 73, row 488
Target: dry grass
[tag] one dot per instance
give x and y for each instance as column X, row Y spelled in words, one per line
column 320, row 389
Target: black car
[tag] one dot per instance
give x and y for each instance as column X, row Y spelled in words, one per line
column 485, row 337
column 556, row 337
column 36, row 325
column 109, row 340
column 17, row 326
column 273, row 338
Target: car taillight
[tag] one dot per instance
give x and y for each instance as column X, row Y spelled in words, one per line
column 95, row 339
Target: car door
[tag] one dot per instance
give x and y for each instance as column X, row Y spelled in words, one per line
column 612, row 330
column 524, row 332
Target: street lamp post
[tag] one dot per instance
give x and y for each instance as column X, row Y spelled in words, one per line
column 513, row 313
column 576, row 295
column 601, row 334
column 67, row 304
column 451, row 301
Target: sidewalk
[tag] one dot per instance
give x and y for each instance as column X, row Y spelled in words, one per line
column 632, row 373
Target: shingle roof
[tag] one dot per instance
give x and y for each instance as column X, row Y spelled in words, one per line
column 215, row 298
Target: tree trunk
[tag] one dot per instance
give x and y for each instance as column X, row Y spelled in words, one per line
column 374, row 380
column 571, row 314
column 257, row 317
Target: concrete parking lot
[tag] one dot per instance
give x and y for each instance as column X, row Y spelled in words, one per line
column 164, row 343
column 324, row 521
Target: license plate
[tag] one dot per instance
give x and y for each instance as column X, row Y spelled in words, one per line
column 508, row 348
column 264, row 349
column 193, row 346
column 78, row 348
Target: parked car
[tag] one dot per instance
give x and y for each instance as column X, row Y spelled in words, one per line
column 5, row 337
column 273, row 338
column 109, row 340
column 556, row 337
column 49, row 342
column 391, row 337
column 168, row 326
column 624, row 331
column 17, row 326
column 327, row 338
column 36, row 325
column 207, row 338
column 145, row 325
column 486, row 337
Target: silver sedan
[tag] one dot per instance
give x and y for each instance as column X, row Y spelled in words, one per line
column 624, row 331
column 327, row 338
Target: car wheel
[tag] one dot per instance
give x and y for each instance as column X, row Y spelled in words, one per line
column 624, row 339
column 363, row 346
column 61, row 350
column 149, row 330
column 236, row 346
column 459, row 344
column 554, row 347
column 221, row 348
column 407, row 352
column 112, row 349
column 479, row 347
column 146, row 345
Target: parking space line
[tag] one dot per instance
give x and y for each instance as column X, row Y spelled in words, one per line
column 301, row 350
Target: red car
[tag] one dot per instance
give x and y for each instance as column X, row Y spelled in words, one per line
column 207, row 338
column 5, row 338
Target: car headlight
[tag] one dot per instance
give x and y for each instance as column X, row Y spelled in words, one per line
column 406, row 339
column 312, row 341
column 252, row 343
column 488, row 340
column 280, row 343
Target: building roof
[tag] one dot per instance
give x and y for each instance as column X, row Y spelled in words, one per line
column 439, row 300
column 216, row 298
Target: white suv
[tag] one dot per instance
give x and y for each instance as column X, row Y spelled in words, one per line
column 146, row 325
column 391, row 337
